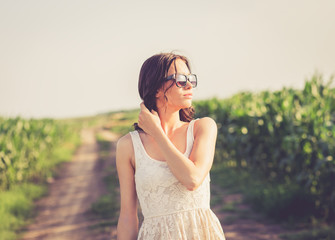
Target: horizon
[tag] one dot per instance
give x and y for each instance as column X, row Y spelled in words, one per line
column 67, row 59
column 112, row 111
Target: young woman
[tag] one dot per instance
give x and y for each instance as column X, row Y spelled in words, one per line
column 165, row 162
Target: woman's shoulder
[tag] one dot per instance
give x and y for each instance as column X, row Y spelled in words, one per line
column 205, row 124
column 125, row 150
column 124, row 142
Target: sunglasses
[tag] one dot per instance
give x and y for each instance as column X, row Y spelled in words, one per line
column 181, row 79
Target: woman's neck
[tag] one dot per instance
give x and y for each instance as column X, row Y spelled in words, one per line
column 170, row 120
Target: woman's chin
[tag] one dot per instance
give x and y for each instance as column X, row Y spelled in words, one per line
column 182, row 104
column 187, row 104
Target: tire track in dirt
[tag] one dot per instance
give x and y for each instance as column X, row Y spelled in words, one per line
column 64, row 212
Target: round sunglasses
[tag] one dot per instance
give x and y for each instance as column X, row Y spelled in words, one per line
column 181, row 79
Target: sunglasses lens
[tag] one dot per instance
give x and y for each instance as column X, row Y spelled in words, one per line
column 193, row 80
column 181, row 80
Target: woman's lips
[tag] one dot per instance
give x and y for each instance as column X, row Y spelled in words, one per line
column 188, row 95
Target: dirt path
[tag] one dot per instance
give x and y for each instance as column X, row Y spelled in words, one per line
column 63, row 214
column 238, row 221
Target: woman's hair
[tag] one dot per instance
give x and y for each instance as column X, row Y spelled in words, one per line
column 152, row 77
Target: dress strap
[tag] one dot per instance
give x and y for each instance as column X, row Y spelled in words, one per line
column 135, row 137
column 191, row 127
column 190, row 137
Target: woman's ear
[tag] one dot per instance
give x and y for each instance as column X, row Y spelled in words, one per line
column 159, row 93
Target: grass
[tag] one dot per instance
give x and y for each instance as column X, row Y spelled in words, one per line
column 228, row 178
column 122, row 122
column 46, row 167
column 322, row 233
column 230, row 207
column 122, row 130
column 230, row 219
column 16, row 206
column 215, row 199
column 17, row 203
column 281, row 202
column 107, row 206
column 276, row 203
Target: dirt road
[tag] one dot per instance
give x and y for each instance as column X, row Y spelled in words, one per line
column 238, row 221
column 63, row 214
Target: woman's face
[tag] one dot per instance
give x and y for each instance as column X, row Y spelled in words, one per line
column 178, row 97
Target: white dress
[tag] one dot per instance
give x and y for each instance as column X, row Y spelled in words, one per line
column 170, row 210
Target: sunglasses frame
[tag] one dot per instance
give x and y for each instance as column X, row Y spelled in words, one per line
column 174, row 76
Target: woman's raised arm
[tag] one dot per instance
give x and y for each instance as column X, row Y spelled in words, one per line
column 127, row 227
column 189, row 171
column 192, row 171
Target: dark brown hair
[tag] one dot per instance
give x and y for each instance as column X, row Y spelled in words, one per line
column 153, row 72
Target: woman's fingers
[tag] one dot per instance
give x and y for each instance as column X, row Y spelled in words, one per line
column 148, row 120
column 143, row 107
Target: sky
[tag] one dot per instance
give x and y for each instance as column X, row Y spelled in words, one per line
column 67, row 58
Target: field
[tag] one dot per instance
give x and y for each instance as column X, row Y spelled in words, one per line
column 285, row 141
column 275, row 151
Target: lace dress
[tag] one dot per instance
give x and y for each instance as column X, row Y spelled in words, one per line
column 170, row 210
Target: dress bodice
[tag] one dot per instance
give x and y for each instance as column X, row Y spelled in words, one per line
column 158, row 190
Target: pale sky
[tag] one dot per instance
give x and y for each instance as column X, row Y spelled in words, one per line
column 66, row 58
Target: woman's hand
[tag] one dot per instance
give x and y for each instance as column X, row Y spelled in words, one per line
column 149, row 121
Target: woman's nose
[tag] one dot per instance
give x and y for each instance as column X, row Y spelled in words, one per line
column 188, row 84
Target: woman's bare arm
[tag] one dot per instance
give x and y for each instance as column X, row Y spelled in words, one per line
column 127, row 227
column 189, row 171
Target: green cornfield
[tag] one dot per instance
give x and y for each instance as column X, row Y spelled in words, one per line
column 30, row 150
column 25, row 148
column 287, row 139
